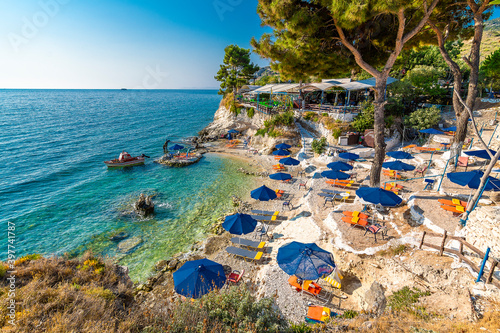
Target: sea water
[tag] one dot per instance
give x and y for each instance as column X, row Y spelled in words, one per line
column 61, row 197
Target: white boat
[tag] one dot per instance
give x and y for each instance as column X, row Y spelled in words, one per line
column 125, row 160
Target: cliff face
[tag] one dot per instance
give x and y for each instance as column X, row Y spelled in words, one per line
column 224, row 120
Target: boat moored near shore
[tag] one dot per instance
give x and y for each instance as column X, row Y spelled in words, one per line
column 125, row 160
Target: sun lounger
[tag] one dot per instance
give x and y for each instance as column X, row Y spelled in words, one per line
column 317, row 314
column 245, row 254
column 248, row 242
column 280, row 157
column 454, row 209
column 453, row 202
column 310, row 288
column 265, row 212
column 330, row 191
column 268, row 218
column 356, row 214
column 340, row 184
column 355, row 221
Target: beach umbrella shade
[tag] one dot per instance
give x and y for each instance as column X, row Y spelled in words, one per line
column 398, row 166
column 378, row 196
column 450, row 129
column 306, row 261
column 349, row 156
column 196, row 278
column 263, row 193
column 331, row 174
column 239, row 224
column 280, row 176
column 472, row 179
column 431, row 131
column 283, row 146
column 480, row 153
column 400, row 155
column 233, row 131
column 176, row 147
column 339, row 166
column 289, row 161
column 281, row 152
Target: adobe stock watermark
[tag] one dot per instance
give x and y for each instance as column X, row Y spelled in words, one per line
column 31, row 26
column 224, row 6
column 153, row 78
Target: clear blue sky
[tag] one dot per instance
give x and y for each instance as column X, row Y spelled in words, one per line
column 121, row 43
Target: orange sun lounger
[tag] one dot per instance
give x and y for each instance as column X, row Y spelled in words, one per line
column 355, row 221
column 356, row 214
column 453, row 202
column 306, row 286
column 454, row 209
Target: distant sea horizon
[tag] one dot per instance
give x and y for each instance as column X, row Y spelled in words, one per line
column 61, row 197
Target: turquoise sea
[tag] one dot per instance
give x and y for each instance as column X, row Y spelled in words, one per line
column 62, row 198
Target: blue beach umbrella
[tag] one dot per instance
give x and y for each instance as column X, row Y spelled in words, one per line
column 281, row 152
column 283, row 146
column 263, row 193
column 472, row 179
column 400, row 155
column 176, row 147
column 349, row 156
column 480, row 153
column 398, row 166
column 431, row 131
column 306, row 261
column 376, row 195
column 339, row 166
column 280, row 176
column 196, row 278
column 331, row 174
column 450, row 129
column 289, row 161
column 233, row 131
column 239, row 224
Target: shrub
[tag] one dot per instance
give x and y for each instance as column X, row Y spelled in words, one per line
column 301, row 328
column 349, row 314
column 319, row 146
column 235, row 109
column 309, row 115
column 365, row 119
column 228, row 100
column 424, row 118
column 29, row 257
column 324, row 114
column 337, row 132
column 405, row 298
column 261, row 132
column 250, row 112
column 3, row 270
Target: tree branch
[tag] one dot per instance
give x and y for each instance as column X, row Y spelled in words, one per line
column 467, row 61
column 422, row 22
column 474, row 124
column 357, row 55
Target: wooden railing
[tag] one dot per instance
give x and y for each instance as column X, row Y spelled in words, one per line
column 460, row 253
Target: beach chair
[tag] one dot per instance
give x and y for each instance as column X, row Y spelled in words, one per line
column 235, row 276
column 279, row 167
column 335, row 278
column 375, row 229
column 287, row 204
column 356, row 214
column 317, row 314
column 302, row 183
column 420, row 170
column 265, row 212
column 453, row 202
column 463, row 161
column 355, row 221
column 268, row 218
column 245, row 254
column 428, row 183
column 248, row 243
column 310, row 288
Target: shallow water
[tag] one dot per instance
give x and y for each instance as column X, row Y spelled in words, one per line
column 62, row 198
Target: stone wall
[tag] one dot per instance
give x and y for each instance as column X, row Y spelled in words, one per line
column 483, row 229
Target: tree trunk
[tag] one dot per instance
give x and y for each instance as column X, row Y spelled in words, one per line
column 379, row 127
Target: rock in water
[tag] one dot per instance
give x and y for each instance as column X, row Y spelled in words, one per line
column 129, row 244
column 119, row 236
column 144, row 205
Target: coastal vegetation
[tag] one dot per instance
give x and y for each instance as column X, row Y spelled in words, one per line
column 236, row 69
column 424, row 118
column 319, row 145
column 272, row 126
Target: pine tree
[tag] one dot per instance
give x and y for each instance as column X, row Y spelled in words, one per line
column 236, row 69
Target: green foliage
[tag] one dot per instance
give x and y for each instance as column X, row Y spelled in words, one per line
column 250, row 112
column 235, row 109
column 236, row 69
column 365, row 119
column 336, row 133
column 425, row 79
column 309, row 115
column 319, row 146
column 405, row 299
column 301, row 328
column 28, row 258
column 423, row 118
column 282, row 119
column 261, row 131
column 399, row 96
column 491, row 70
column 349, row 314
column 3, row 269
column 232, row 310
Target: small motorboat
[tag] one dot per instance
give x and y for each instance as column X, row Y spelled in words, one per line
column 125, row 160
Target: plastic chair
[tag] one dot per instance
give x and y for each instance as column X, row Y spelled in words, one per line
column 375, row 229
column 463, row 161
column 235, row 276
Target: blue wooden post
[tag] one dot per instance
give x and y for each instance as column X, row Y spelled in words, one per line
column 485, row 259
column 464, row 222
column 444, row 171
